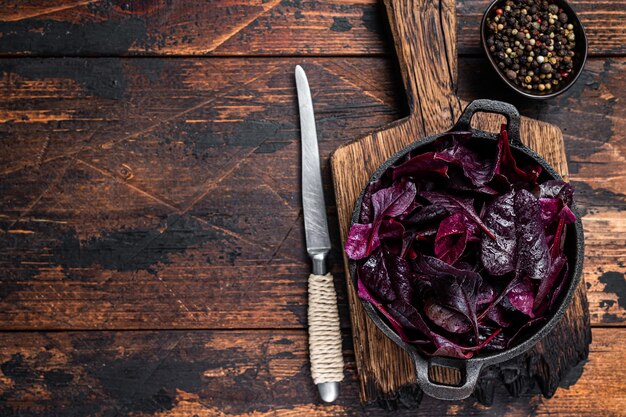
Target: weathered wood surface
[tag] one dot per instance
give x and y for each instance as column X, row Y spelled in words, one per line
column 238, row 27
column 136, row 157
column 165, row 116
column 173, row 201
column 240, row 373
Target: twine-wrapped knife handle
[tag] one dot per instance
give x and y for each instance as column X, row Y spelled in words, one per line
column 324, row 330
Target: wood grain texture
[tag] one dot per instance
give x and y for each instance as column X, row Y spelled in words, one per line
column 167, row 203
column 124, row 148
column 156, row 27
column 240, row 374
column 237, row 27
column 423, row 33
column 100, row 157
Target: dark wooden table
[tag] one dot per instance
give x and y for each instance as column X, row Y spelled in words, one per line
column 152, row 260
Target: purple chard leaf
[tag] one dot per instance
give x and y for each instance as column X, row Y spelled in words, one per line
column 557, row 189
column 363, row 239
column 452, row 237
column 457, row 204
column 498, row 255
column 394, row 200
column 477, row 169
column 366, row 295
column 374, row 274
column 533, row 257
column 453, row 288
column 446, row 318
column 547, row 285
column 522, row 297
column 506, row 165
column 387, row 276
column 419, row 165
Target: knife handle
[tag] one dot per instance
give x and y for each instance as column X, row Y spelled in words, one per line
column 324, row 331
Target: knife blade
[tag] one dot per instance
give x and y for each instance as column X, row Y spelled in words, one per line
column 314, row 206
column 324, row 332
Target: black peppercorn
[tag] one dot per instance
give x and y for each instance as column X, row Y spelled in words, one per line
column 546, row 68
column 532, row 43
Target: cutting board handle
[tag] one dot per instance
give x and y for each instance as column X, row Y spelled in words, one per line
column 424, row 32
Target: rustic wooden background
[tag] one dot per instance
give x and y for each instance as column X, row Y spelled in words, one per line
column 152, row 256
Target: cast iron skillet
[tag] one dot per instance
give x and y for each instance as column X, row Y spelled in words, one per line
column 470, row 368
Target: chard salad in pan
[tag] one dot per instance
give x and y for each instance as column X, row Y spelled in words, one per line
column 460, row 247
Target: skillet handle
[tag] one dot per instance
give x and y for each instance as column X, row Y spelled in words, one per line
column 492, row 106
column 469, row 368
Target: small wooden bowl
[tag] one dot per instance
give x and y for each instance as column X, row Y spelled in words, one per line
column 580, row 57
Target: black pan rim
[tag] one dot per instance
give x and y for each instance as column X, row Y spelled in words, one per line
column 490, row 358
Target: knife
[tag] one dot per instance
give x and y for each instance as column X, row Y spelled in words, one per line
column 324, row 332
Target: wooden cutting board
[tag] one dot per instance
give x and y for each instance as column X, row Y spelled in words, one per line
column 424, row 35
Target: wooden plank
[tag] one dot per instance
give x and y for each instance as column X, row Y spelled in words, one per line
column 236, row 27
column 154, row 27
column 171, row 202
column 146, row 153
column 240, row 373
column 53, row 108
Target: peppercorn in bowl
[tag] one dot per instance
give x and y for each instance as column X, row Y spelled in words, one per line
column 537, row 47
